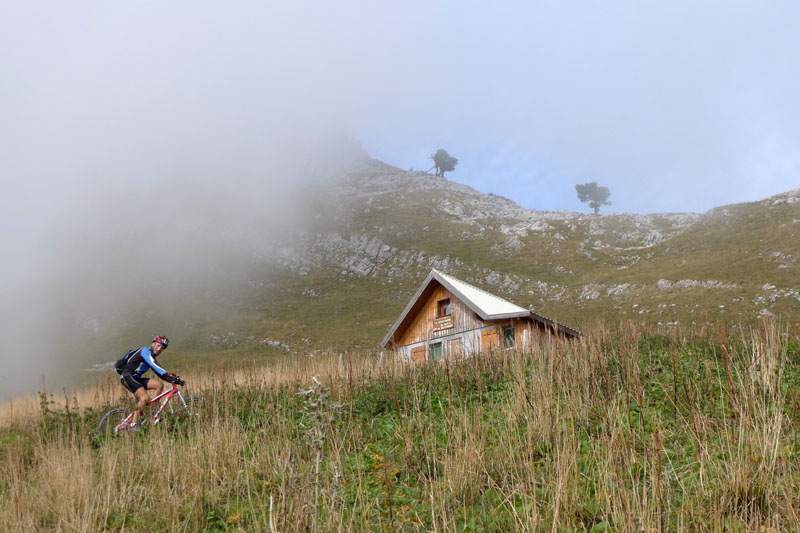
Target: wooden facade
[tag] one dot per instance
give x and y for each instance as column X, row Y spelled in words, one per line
column 424, row 325
column 441, row 322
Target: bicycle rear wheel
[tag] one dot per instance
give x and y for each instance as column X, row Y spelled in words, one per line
column 112, row 419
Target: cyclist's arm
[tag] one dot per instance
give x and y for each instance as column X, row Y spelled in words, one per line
column 147, row 356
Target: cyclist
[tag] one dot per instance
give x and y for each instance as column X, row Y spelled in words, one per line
column 137, row 362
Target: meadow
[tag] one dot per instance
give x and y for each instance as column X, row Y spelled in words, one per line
column 628, row 429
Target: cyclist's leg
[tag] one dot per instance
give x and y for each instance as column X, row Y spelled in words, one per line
column 139, row 393
column 155, row 385
column 149, row 385
column 141, row 400
column 127, row 385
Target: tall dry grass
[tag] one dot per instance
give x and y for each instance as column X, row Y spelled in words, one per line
column 623, row 430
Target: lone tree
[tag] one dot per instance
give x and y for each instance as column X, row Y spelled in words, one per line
column 443, row 162
column 594, row 194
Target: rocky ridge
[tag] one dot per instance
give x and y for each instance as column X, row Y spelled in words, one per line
column 464, row 205
column 580, row 261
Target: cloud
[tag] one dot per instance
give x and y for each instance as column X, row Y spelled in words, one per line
column 141, row 147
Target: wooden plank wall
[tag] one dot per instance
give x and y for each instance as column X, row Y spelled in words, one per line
column 535, row 332
column 526, row 332
column 421, row 327
column 418, row 354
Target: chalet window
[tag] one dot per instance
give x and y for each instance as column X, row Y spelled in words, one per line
column 508, row 336
column 436, row 351
column 443, row 307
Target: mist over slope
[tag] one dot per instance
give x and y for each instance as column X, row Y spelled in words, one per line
column 333, row 261
column 145, row 248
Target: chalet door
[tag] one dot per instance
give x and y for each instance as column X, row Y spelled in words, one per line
column 418, row 354
column 488, row 339
column 454, row 349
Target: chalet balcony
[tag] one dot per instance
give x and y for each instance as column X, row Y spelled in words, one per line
column 442, row 323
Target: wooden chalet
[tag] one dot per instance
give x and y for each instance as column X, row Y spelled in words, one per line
column 448, row 318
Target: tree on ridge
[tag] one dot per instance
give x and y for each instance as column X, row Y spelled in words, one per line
column 443, row 162
column 593, row 193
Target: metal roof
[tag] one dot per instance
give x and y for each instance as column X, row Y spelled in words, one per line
column 487, row 305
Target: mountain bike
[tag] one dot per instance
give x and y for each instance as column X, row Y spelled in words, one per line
column 187, row 407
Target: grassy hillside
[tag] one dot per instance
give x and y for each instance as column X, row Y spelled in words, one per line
column 626, row 429
column 383, row 231
column 340, row 279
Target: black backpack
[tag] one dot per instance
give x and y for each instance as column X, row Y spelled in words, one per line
column 120, row 365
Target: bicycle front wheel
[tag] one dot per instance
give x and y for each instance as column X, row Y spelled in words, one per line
column 196, row 408
column 112, row 419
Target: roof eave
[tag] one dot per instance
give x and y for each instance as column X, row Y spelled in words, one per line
column 407, row 309
column 501, row 316
column 560, row 328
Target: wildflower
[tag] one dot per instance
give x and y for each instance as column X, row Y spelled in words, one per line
column 378, row 461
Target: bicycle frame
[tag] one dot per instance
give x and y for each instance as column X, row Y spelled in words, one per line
column 167, row 395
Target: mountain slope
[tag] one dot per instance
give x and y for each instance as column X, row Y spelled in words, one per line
column 391, row 227
column 341, row 277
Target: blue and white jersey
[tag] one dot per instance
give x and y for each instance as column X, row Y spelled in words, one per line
column 140, row 362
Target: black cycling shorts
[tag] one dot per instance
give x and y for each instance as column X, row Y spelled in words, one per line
column 133, row 384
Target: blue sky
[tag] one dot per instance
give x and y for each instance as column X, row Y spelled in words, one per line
column 676, row 106
column 497, row 169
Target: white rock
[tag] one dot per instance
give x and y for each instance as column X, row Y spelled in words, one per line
column 590, row 292
column 663, row 284
column 618, row 290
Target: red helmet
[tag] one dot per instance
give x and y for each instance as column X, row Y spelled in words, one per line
column 162, row 339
